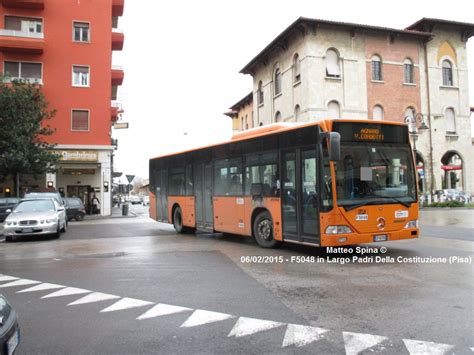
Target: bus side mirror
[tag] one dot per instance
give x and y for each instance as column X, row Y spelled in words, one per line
column 334, row 145
column 256, row 190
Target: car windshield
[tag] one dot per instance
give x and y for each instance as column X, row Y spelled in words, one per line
column 375, row 174
column 34, row 206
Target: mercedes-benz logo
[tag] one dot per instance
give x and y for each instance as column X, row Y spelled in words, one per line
column 381, row 223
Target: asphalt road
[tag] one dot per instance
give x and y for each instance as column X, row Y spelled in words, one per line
column 213, row 293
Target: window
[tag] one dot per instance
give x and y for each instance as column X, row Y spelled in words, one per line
column 377, row 113
column 408, row 71
column 334, row 110
column 262, row 169
column 80, row 120
column 176, row 181
column 260, row 93
column 297, row 112
column 450, row 119
column 376, row 68
column 447, row 73
column 296, row 69
column 278, row 116
column 277, row 81
column 228, row 177
column 22, row 70
column 81, row 32
column 24, row 24
column 332, row 64
column 80, row 76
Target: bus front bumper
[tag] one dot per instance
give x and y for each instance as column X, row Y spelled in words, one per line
column 328, row 240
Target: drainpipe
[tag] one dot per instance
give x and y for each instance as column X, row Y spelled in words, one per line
column 429, row 118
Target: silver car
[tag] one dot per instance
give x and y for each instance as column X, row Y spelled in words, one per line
column 35, row 217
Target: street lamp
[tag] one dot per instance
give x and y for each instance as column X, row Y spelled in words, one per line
column 414, row 123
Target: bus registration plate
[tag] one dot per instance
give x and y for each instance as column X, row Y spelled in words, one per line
column 380, row 238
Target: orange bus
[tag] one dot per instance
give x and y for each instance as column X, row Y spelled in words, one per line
column 327, row 183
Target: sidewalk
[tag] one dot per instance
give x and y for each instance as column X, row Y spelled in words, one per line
column 116, row 213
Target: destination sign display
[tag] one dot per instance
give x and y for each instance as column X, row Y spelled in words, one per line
column 370, row 132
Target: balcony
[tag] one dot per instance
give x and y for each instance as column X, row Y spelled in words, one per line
column 21, row 42
column 24, row 4
column 117, row 40
column 115, row 110
column 117, row 7
column 117, row 75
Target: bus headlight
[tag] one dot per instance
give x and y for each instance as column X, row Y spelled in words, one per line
column 412, row 224
column 338, row 230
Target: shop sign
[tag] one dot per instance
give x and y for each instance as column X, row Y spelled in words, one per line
column 78, row 155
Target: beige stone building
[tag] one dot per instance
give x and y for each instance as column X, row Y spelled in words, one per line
column 318, row 69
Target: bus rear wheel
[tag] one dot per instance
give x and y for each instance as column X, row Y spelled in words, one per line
column 263, row 230
column 178, row 220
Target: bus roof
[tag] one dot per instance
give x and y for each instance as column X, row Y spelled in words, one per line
column 280, row 127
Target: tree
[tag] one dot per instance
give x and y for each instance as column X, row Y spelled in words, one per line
column 23, row 129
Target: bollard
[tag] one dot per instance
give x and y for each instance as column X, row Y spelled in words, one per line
column 125, row 209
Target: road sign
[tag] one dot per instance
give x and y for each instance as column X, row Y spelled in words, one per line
column 121, row 125
column 130, row 178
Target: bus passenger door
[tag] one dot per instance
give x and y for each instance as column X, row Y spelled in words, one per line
column 299, row 199
column 203, row 194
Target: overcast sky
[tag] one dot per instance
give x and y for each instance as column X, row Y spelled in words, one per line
column 182, row 61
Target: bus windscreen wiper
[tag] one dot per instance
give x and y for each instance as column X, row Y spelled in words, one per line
column 351, row 207
column 406, row 204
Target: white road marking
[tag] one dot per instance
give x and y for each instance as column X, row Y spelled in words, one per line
column 301, row 335
column 21, row 282
column 246, row 326
column 67, row 292
column 356, row 342
column 41, row 287
column 162, row 309
column 7, row 278
column 418, row 347
column 94, row 297
column 200, row 317
column 126, row 303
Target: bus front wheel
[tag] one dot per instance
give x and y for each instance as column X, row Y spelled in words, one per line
column 263, row 230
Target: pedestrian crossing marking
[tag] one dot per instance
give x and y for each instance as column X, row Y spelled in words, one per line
column 247, row 326
column 126, row 303
column 68, row 291
column 162, row 309
column 418, row 347
column 356, row 342
column 94, row 297
column 7, row 278
column 20, row 282
column 41, row 287
column 301, row 335
column 200, row 317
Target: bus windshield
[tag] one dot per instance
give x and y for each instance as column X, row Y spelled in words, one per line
column 374, row 173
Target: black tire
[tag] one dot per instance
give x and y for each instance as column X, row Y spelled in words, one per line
column 263, row 230
column 64, row 229
column 178, row 220
column 79, row 217
column 9, row 239
column 57, row 235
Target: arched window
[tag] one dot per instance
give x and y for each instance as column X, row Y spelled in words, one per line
column 447, row 69
column 377, row 113
column 376, row 68
column 408, row 71
column 296, row 68
column 278, row 116
column 297, row 112
column 334, row 110
column 277, row 81
column 450, row 119
column 332, row 64
column 260, row 93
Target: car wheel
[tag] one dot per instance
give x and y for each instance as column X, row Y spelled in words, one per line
column 64, row 229
column 263, row 230
column 58, row 232
column 178, row 220
column 79, row 217
column 9, row 239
